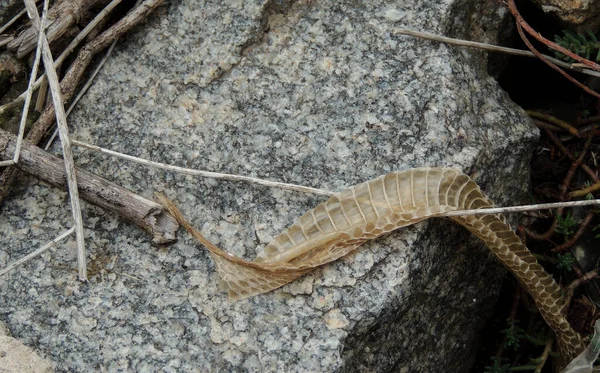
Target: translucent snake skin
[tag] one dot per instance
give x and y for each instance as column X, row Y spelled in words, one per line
column 368, row 210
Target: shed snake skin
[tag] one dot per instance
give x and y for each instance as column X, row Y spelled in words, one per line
column 376, row 207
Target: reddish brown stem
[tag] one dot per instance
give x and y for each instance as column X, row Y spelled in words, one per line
column 566, row 152
column 574, row 166
column 522, row 23
column 570, row 289
column 566, row 245
column 553, row 66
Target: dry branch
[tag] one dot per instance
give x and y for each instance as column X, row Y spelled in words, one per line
column 65, row 142
column 61, row 16
column 94, row 189
column 73, row 75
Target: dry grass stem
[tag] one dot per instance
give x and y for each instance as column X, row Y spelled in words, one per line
column 13, row 20
column 61, row 120
column 90, row 26
column 323, row 192
column 7, row 163
column 213, row 175
column 63, row 56
column 36, row 253
column 40, row 103
column 5, row 39
column 494, row 48
column 524, row 208
column 84, row 89
column 29, row 91
column 72, row 77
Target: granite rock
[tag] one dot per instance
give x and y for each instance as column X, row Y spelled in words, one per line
column 323, row 94
column 15, row 357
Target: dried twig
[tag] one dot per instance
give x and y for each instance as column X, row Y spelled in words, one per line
column 214, row 175
column 63, row 15
column 554, row 120
column 522, row 23
column 90, row 26
column 553, row 66
column 71, row 79
column 65, row 53
column 95, row 189
column 12, row 20
column 564, row 187
column 567, row 153
column 304, row 189
column 584, row 224
column 61, row 120
column 577, row 163
column 36, row 253
column 570, row 289
column 491, row 48
column 84, row 89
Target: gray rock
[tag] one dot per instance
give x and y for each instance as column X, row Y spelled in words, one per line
column 15, row 357
column 322, row 94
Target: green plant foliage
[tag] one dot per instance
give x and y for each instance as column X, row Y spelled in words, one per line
column 513, row 334
column 585, row 45
column 565, row 261
column 566, row 225
column 497, row 366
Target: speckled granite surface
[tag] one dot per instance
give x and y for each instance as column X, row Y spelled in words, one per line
column 318, row 93
column 18, row 358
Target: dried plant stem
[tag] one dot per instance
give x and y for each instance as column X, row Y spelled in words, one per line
column 12, row 20
column 582, row 227
column 492, row 48
column 73, row 75
column 547, row 126
column 545, row 355
column 90, row 26
column 524, row 208
column 36, row 253
column 546, row 235
column 214, row 175
column 63, row 56
column 570, row 288
column 554, row 120
column 585, row 191
column 29, row 92
column 61, row 120
column 521, row 23
column 95, row 189
column 323, row 192
column 550, row 64
column 567, row 153
column 84, row 89
column 573, row 169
